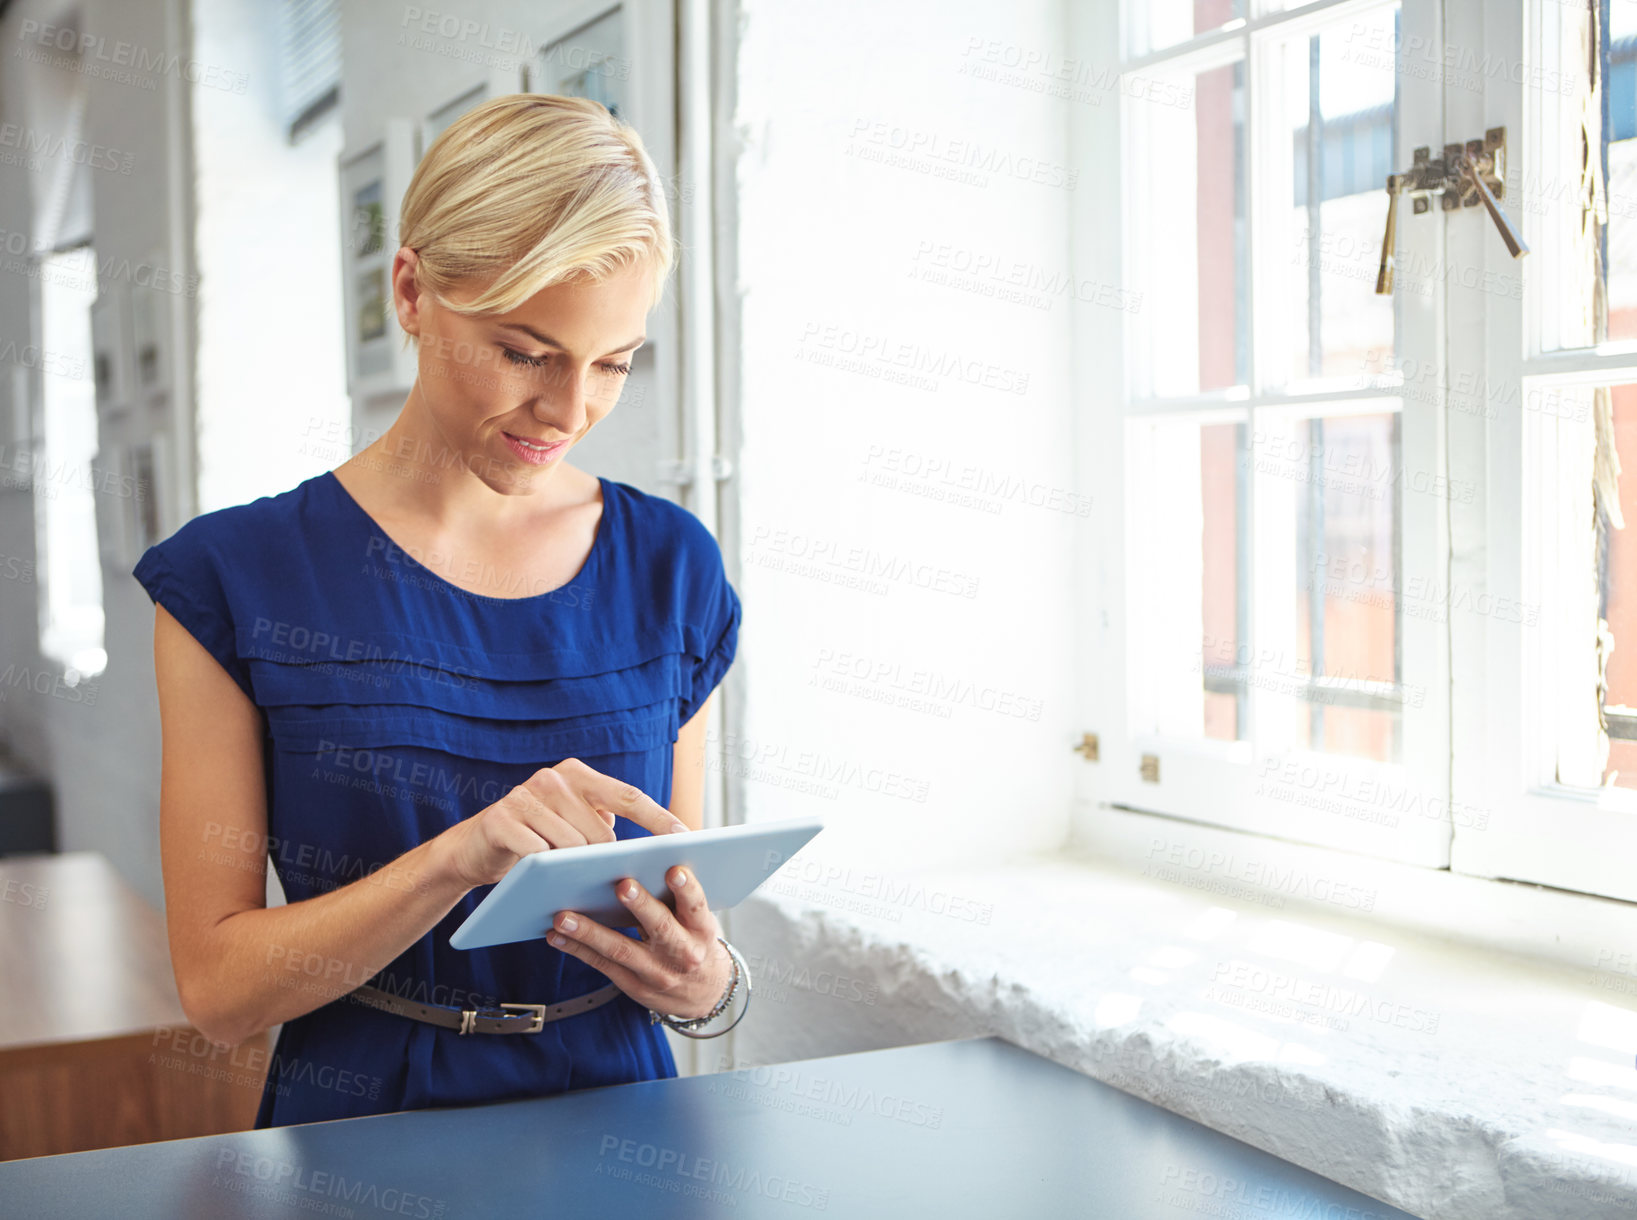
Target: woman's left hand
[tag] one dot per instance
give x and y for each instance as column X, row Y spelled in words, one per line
column 678, row 968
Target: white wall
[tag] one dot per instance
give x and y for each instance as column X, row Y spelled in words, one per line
column 852, row 270
column 908, row 651
column 97, row 752
column 254, row 327
column 272, row 371
column 22, row 719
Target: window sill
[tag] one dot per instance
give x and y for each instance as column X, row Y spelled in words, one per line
column 1445, row 1075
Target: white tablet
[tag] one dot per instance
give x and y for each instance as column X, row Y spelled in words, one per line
column 729, row 861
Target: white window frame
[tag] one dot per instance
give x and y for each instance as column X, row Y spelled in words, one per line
column 1491, row 741
column 1217, row 782
column 1512, row 684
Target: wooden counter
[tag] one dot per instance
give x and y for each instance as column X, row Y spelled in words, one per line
column 94, row 1048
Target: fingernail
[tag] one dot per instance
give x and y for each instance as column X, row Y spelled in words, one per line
column 676, row 826
column 629, row 891
column 556, row 939
column 681, row 877
column 568, row 924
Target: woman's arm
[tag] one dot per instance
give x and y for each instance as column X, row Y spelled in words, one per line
column 241, row 967
column 688, row 768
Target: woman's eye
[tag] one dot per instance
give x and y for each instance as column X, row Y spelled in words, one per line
column 537, row 361
column 520, row 358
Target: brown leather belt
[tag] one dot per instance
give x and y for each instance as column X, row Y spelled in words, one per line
column 519, row 1018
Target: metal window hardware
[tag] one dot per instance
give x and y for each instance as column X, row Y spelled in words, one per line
column 1465, row 176
column 1149, row 768
column 1088, row 748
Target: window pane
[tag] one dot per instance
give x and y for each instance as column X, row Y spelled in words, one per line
column 66, row 484
column 1621, row 137
column 1187, row 491
column 1222, row 495
column 1164, row 23
column 1188, row 222
column 1620, row 602
column 1331, row 677
column 1549, row 182
column 1339, row 92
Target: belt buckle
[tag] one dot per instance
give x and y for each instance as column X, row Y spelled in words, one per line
column 539, row 1011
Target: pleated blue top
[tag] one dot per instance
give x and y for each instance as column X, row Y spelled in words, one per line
column 396, row 704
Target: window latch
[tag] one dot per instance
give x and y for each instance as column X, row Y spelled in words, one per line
column 1465, row 176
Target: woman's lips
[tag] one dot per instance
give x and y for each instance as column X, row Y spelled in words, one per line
column 527, row 451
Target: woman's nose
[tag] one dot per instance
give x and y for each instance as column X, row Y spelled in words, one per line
column 560, row 400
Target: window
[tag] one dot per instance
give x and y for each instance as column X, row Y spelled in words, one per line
column 1615, row 496
column 69, row 475
column 309, row 63
column 65, row 480
column 1556, row 772
column 1617, row 597
column 1397, row 526
column 1282, row 487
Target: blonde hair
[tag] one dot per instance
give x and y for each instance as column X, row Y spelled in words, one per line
column 531, row 190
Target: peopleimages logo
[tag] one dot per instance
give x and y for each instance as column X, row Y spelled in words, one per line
column 97, row 56
column 283, row 1179
column 27, row 141
column 308, row 643
column 672, row 1169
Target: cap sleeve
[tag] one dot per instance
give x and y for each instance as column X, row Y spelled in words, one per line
column 718, row 630
column 181, row 574
column 707, row 672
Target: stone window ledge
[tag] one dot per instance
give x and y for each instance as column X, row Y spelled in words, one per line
column 1451, row 1079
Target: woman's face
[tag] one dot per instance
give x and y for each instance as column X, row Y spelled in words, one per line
column 494, row 389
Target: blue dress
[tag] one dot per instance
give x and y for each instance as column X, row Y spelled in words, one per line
column 396, row 704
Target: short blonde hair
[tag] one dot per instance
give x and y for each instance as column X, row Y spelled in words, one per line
column 531, row 190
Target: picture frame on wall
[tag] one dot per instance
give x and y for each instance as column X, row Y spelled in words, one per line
column 144, row 463
column 16, row 471
column 373, row 179
column 115, row 521
column 505, row 77
column 592, row 60
column 133, row 504
column 111, row 351
column 150, row 348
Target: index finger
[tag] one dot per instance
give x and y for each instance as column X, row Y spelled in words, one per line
column 625, row 800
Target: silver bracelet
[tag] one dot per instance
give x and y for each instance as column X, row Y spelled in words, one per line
column 687, row 1025
column 684, row 1024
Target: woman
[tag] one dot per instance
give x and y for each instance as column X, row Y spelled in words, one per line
column 400, row 676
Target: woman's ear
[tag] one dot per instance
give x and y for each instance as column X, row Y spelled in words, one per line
column 406, row 296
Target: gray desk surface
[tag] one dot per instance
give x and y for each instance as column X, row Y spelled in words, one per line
column 975, row 1128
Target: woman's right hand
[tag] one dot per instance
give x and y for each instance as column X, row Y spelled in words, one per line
column 568, row 805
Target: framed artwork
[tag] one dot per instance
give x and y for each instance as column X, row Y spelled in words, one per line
column 150, row 346
column 590, row 61
column 111, row 350
column 373, row 180
column 16, row 470
column 433, row 124
column 147, row 494
column 503, row 78
column 114, row 519
column 132, row 503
